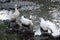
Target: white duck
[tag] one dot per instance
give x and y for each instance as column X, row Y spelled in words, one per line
column 26, row 21
column 48, row 25
column 43, row 24
column 5, row 14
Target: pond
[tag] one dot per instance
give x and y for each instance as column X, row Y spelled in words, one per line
column 34, row 11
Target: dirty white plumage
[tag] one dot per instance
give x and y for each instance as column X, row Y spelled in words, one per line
column 48, row 25
column 26, row 21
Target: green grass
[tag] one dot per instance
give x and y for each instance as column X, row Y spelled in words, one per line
column 3, row 26
column 8, row 36
column 1, row 37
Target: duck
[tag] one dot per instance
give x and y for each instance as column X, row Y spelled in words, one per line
column 16, row 14
column 9, row 15
column 48, row 25
column 26, row 22
column 43, row 24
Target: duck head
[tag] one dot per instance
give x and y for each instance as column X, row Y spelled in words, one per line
column 16, row 6
column 42, row 18
column 24, row 16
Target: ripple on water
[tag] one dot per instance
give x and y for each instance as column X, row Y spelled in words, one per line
column 56, row 15
column 24, row 5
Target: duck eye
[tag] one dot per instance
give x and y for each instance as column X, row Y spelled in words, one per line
column 25, row 16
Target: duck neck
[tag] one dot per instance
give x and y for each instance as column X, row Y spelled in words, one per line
column 42, row 20
column 16, row 10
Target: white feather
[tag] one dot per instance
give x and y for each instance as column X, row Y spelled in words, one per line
column 26, row 21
